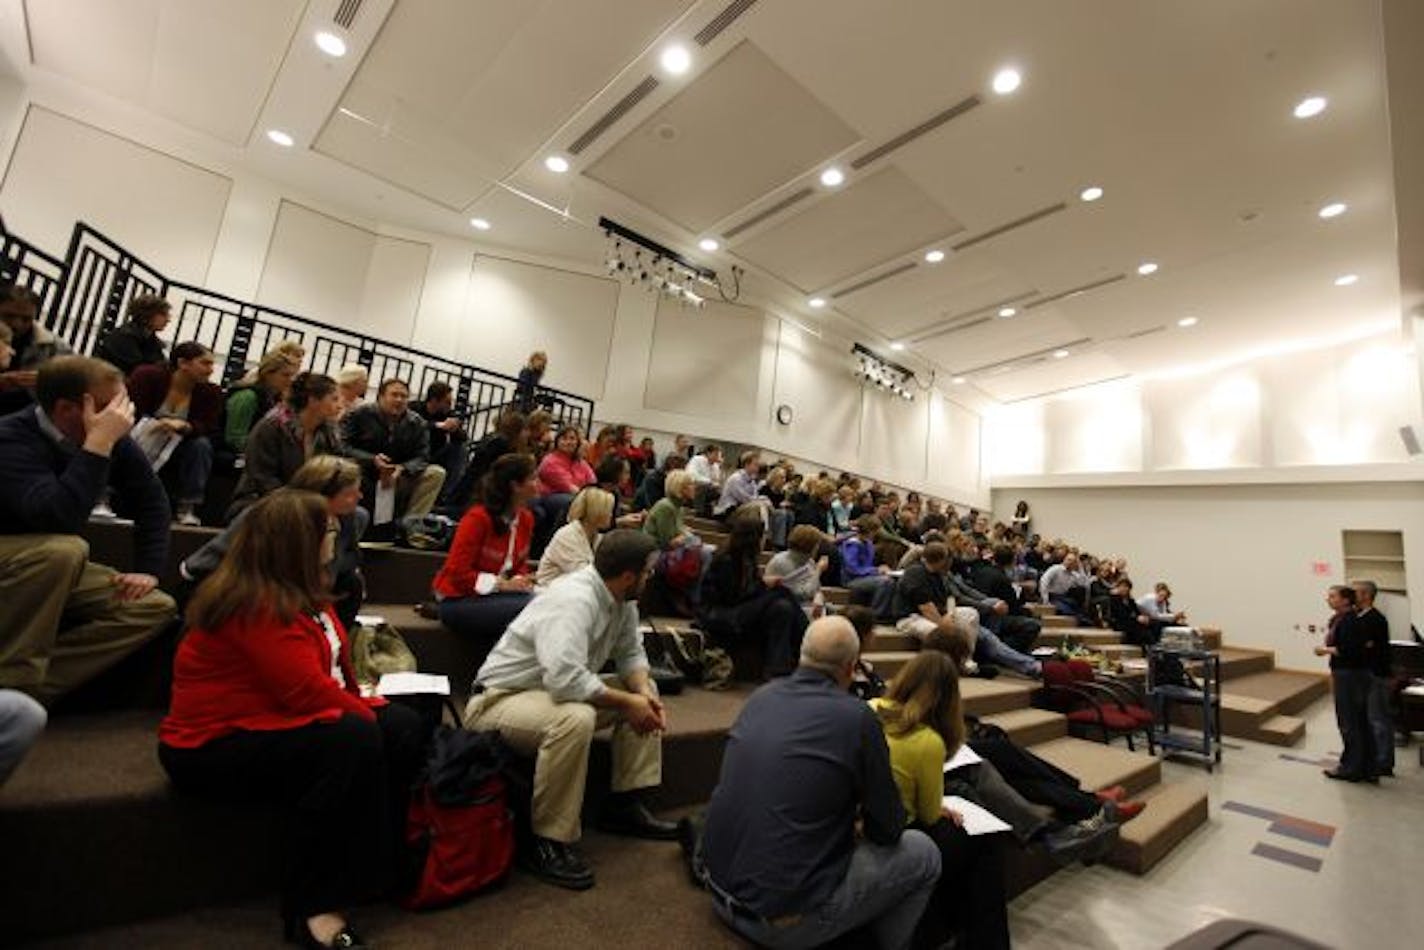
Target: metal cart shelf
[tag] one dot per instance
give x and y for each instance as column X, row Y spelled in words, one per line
column 1165, row 687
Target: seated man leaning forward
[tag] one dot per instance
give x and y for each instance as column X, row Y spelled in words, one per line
column 63, row 618
column 805, row 836
column 540, row 689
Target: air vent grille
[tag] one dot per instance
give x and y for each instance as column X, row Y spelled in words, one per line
column 780, row 206
column 1142, row 333
column 620, row 108
column 924, row 128
column 1063, row 295
column 1038, row 215
column 722, row 20
column 872, row 281
column 1024, row 358
column 346, row 13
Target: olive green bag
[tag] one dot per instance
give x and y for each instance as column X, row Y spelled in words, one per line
column 377, row 648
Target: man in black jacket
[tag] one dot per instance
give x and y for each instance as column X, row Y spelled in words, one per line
column 1352, row 681
column 1018, row 627
column 64, row 619
column 392, row 444
column 1376, row 627
column 447, row 433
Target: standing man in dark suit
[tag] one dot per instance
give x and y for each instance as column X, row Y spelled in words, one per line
column 1351, row 681
column 1376, row 627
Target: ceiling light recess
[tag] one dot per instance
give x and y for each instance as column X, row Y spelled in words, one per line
column 1060, row 354
column 958, row 380
column 935, row 256
column 816, row 303
column 708, row 244
column 277, row 136
column 1345, row 280
column 330, row 44
column 1007, row 81
column 1187, row 322
column 479, row 224
column 832, row 177
column 676, row 60
column 897, row 346
column 1147, row 268
column 1006, row 312
column 1333, row 210
column 1091, row 193
column 556, row 164
column 1310, row 106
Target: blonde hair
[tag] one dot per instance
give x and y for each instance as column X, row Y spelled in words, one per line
column 352, row 373
column 677, row 480
column 274, row 360
column 592, row 507
column 326, row 475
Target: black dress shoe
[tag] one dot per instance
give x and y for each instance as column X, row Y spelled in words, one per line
column 1385, row 773
column 557, row 863
column 631, row 817
column 1343, row 776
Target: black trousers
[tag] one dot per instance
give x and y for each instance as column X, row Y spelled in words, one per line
column 343, row 789
column 1037, row 780
column 1020, row 633
column 1352, row 689
column 968, row 900
column 771, row 618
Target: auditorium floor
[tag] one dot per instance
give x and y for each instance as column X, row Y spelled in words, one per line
column 1365, row 843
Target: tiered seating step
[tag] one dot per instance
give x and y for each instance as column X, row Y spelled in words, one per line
column 1090, row 637
column 1052, row 621
column 1029, row 726
column 1240, row 661
column 1259, row 706
column 1099, row 766
column 840, row 596
column 1173, row 812
column 986, row 697
column 888, row 638
column 1290, row 690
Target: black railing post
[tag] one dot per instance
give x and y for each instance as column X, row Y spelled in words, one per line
column 236, row 364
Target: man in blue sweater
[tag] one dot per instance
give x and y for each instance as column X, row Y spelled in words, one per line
column 63, row 619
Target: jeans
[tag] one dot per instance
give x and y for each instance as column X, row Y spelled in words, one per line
column 1382, row 724
column 192, row 462
column 1352, row 714
column 21, row 722
column 988, row 648
column 877, row 591
column 483, row 618
column 1020, row 633
column 886, row 887
column 451, row 458
column 778, row 523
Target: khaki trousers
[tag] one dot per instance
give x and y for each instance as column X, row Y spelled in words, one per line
column 424, row 489
column 60, row 623
column 558, row 735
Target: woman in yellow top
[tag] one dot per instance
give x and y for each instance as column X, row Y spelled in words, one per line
column 920, row 713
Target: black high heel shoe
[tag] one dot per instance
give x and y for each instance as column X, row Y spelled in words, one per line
column 297, row 931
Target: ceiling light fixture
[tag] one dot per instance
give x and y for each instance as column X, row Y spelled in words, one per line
column 1333, row 210
column 1147, row 268
column 1006, row 81
column 1007, row 312
column 479, row 224
column 708, row 244
column 1091, row 193
column 331, row 44
column 278, row 137
column 556, row 164
column 1309, row 107
column 833, row 177
column 1345, row 280
column 816, row 303
column 897, row 346
column 958, row 380
column 676, row 60
column 1187, row 322
column 935, row 256
column 1060, row 354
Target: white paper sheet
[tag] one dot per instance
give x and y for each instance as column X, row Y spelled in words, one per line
column 977, row 819
column 406, row 684
column 157, row 442
column 965, row 756
column 384, row 511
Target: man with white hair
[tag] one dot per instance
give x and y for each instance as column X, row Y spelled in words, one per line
column 805, row 836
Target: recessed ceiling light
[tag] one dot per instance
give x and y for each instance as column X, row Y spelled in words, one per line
column 935, row 256
column 557, row 164
column 1312, row 106
column 280, row 138
column 1007, row 312
column 1006, row 81
column 676, row 60
column 832, row 177
column 958, row 380
column 1333, row 210
column 1091, row 193
column 708, row 244
column 1187, row 322
column 479, row 224
column 897, row 346
column 816, row 303
column 1147, row 268
column 330, row 44
column 1060, row 354
column 1345, row 280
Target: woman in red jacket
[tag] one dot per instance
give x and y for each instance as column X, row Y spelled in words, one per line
column 485, row 580
column 265, row 707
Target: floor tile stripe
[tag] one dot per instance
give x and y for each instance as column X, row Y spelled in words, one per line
column 1303, row 861
column 1301, row 834
column 1251, row 810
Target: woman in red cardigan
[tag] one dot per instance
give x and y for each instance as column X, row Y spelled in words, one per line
column 485, row 581
column 182, row 401
column 265, row 708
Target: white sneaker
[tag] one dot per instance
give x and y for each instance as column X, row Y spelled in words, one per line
column 102, row 512
column 188, row 519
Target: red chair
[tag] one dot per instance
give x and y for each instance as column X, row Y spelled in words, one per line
column 1072, row 688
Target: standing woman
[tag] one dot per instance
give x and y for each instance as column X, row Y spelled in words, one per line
column 920, row 713
column 1022, row 519
column 266, row 709
column 1345, row 643
column 572, row 546
column 484, row 582
column 180, row 397
column 526, row 390
column 282, row 442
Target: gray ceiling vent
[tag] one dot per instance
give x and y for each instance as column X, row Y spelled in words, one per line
column 722, row 20
column 872, row 281
column 346, row 13
column 1022, row 359
column 760, row 216
column 1064, row 295
column 1142, row 333
column 1027, row 219
column 924, row 128
column 954, row 322
column 620, row 108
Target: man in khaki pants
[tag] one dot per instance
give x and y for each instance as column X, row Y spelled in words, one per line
column 540, row 689
column 63, row 619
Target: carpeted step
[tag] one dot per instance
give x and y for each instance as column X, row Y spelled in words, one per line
column 983, row 697
column 1117, row 652
column 1085, row 636
column 887, row 637
column 1100, row 766
column 1029, row 726
column 1241, row 716
column 1043, row 610
column 1243, row 661
column 436, row 649
column 112, row 544
column 1173, row 811
column 1292, row 691
column 1280, row 730
column 398, row 575
column 1211, row 637
column 889, row 662
column 840, row 596
column 1052, row 621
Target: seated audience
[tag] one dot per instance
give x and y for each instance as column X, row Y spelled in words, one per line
column 21, row 722
column 923, row 603
column 32, row 343
column 842, row 511
column 562, row 474
column 540, row 688
column 920, row 713
column 650, row 454
column 1128, row 619
column 1158, row 606
column 256, row 394
column 572, row 546
column 1022, row 520
column 526, row 389
column 63, row 618
column 266, row 709
column 352, row 382
column 1017, row 627
column 817, row 510
column 15, row 397
column 740, row 606
column 392, row 445
column 136, row 342
column 484, row 582
column 338, row 480
column 447, row 434
column 539, row 432
column 182, row 403
column 602, row 446
column 741, row 491
column 806, row 836
column 798, row 568
column 655, row 482
column 1065, row 586
column 508, row 438
column 663, row 523
column 868, row 582
column 298, row 430
column 706, row 470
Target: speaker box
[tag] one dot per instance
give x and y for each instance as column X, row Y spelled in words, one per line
column 1411, row 439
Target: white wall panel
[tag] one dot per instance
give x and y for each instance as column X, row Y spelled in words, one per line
column 165, row 210
column 706, row 362
column 814, row 380
column 395, row 281
column 516, row 308
column 892, row 437
column 316, row 266
column 954, row 449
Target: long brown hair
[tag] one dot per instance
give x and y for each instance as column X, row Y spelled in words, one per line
column 273, row 566
column 926, row 693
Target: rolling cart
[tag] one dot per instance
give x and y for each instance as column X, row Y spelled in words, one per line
column 1192, row 678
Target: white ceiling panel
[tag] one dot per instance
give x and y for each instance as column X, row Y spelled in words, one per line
column 915, row 302
column 875, row 219
column 1051, row 376
column 968, row 349
column 739, row 131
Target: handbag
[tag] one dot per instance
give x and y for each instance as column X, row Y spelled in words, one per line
column 681, row 565
column 377, row 648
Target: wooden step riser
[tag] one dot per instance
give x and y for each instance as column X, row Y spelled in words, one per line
column 1031, row 733
column 1245, row 666
column 1173, row 812
column 1056, row 622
